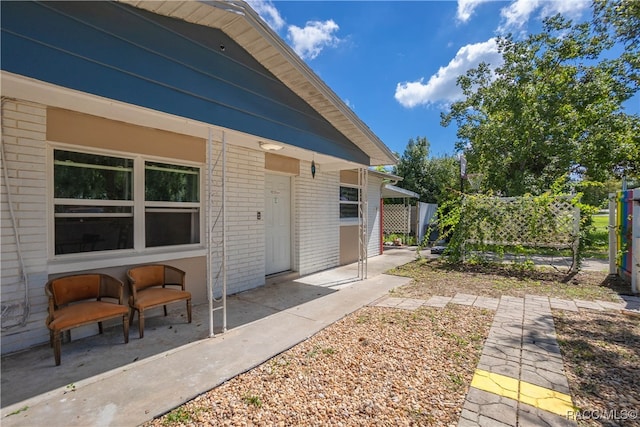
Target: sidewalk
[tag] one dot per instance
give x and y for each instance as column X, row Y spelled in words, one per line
column 520, row 379
column 137, row 392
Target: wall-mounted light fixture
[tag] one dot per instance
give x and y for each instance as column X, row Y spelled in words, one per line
column 270, row 146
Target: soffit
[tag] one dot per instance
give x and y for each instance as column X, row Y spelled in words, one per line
column 242, row 24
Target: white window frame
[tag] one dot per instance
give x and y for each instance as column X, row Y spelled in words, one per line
column 349, row 221
column 100, row 259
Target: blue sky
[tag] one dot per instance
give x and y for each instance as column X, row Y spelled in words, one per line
column 395, row 63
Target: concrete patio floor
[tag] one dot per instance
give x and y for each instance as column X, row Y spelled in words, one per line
column 31, row 377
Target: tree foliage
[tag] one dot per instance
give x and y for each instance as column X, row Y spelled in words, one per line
column 554, row 107
column 620, row 20
column 431, row 177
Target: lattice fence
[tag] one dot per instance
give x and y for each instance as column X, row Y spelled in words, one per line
column 397, row 219
column 525, row 221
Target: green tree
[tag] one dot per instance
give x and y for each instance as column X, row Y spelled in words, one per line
column 431, row 177
column 620, row 20
column 554, row 107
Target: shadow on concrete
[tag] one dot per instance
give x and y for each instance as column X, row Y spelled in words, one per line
column 32, row 372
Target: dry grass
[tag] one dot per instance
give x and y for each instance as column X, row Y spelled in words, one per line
column 601, row 353
column 434, row 277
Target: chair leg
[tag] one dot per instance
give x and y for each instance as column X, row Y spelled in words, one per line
column 50, row 338
column 132, row 312
column 141, row 323
column 56, row 347
column 189, row 310
column 125, row 327
column 100, row 327
column 165, row 310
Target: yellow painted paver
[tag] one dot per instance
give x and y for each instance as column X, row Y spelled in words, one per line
column 531, row 394
column 495, row 383
column 546, row 399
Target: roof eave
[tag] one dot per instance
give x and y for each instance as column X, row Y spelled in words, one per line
column 289, row 71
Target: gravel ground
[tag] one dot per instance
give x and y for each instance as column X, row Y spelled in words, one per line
column 383, row 366
column 601, row 353
column 377, row 366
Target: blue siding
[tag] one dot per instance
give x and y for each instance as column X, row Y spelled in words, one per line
column 123, row 53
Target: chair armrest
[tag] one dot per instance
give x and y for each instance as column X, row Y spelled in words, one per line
column 110, row 287
column 51, row 302
column 180, row 273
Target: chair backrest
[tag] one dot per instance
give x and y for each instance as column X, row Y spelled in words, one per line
column 74, row 288
column 146, row 276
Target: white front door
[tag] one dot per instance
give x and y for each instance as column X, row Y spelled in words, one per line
column 277, row 218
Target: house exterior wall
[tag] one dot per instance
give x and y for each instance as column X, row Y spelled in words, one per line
column 24, row 157
column 150, row 86
column 317, row 228
column 88, row 130
column 349, row 236
column 315, row 222
column 245, row 233
column 349, row 231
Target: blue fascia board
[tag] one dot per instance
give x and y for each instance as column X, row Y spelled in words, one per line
column 122, row 53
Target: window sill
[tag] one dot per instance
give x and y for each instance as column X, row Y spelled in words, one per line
column 349, row 221
column 91, row 261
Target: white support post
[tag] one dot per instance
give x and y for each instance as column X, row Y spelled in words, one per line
column 408, row 224
column 209, row 225
column 575, row 245
column 635, row 243
column 224, row 232
column 365, row 225
column 613, row 234
column 363, row 214
column 221, row 274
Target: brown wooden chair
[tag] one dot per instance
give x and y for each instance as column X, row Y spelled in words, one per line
column 148, row 289
column 78, row 300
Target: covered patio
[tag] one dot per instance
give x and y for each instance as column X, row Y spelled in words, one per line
column 32, row 374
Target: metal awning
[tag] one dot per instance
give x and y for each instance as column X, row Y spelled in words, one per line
column 392, row 192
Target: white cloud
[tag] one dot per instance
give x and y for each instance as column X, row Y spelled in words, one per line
column 349, row 104
column 517, row 14
column 441, row 87
column 268, row 12
column 309, row 41
column 466, row 9
column 570, row 8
